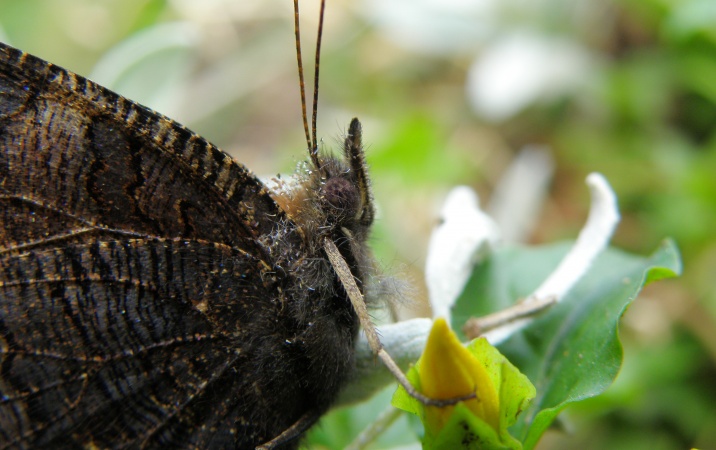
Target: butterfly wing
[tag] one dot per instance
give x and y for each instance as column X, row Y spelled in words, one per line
column 81, row 156
column 133, row 264
column 106, row 343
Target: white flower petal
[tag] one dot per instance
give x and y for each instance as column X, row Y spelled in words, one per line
column 593, row 239
column 518, row 196
column 464, row 234
column 433, row 26
column 521, row 69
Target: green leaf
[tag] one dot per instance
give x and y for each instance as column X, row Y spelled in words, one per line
column 571, row 352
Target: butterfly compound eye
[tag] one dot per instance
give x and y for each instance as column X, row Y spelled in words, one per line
column 342, row 196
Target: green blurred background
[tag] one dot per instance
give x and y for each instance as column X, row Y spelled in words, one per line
column 448, row 92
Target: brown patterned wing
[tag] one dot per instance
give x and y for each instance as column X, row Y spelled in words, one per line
column 132, row 271
column 104, row 344
column 77, row 156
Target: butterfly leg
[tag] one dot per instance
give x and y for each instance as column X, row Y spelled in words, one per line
column 294, row 431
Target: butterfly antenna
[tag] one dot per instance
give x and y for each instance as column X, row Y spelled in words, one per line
column 315, row 77
column 310, row 142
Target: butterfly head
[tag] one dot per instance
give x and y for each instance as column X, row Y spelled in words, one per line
column 332, row 198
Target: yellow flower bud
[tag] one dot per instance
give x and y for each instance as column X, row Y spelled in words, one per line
column 448, row 370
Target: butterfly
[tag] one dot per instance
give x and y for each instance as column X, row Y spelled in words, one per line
column 153, row 292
